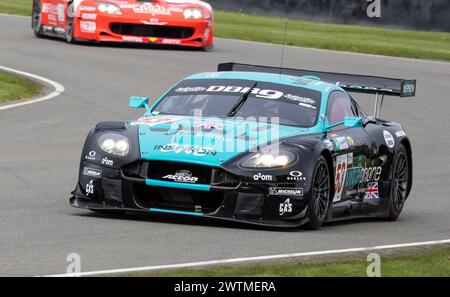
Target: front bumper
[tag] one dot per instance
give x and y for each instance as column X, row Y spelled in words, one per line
column 244, row 202
column 137, row 29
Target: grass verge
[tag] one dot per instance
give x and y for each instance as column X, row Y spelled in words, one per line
column 352, row 38
column 14, row 88
column 20, row 7
column 431, row 263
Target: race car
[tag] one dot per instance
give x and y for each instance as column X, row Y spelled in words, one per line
column 168, row 22
column 253, row 144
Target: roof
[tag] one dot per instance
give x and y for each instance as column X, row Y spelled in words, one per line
column 301, row 82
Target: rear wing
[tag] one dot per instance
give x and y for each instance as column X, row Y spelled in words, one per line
column 350, row 82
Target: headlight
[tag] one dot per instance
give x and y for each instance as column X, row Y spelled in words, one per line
column 114, row 144
column 272, row 159
column 193, row 13
column 108, row 8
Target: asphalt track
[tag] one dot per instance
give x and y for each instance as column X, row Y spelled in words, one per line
column 40, row 151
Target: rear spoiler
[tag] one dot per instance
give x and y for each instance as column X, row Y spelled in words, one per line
column 349, row 82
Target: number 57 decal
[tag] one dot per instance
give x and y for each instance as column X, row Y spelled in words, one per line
column 341, row 172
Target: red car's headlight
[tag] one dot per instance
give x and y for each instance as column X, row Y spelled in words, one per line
column 193, row 13
column 108, row 8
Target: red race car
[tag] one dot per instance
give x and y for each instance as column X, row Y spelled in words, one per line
column 173, row 22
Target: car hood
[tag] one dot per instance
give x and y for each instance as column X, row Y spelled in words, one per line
column 206, row 141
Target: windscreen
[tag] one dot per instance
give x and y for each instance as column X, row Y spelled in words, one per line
column 295, row 106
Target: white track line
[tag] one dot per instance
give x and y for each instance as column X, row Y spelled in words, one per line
column 59, row 89
column 13, row 15
column 251, row 259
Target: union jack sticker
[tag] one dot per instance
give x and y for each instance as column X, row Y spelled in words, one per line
column 371, row 191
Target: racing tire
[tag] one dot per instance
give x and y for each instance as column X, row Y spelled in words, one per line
column 400, row 184
column 36, row 19
column 70, row 24
column 319, row 204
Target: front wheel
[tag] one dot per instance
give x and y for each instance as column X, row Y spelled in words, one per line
column 36, row 18
column 400, row 184
column 319, row 203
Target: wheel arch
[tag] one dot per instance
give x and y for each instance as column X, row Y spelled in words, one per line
column 329, row 159
column 407, row 145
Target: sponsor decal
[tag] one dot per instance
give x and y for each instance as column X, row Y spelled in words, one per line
column 341, row 143
column 209, row 125
column 153, row 121
column 92, row 172
column 132, row 39
column 389, row 139
column 171, row 41
column 360, row 175
column 186, row 149
column 302, row 101
column 409, row 88
column 88, row 27
column 371, row 191
column 355, row 191
column 350, row 158
column 47, row 28
column 46, row 7
column 190, row 89
column 262, row 177
column 341, row 172
column 285, row 207
column 90, row 188
column 148, row 8
column 363, row 87
column 107, row 161
column 182, row 176
column 88, row 8
column 285, row 191
column 91, row 156
column 351, row 142
column 296, row 176
column 61, row 12
column 329, row 144
column 59, row 30
column 154, row 21
column 89, row 16
column 400, row 133
column 265, row 94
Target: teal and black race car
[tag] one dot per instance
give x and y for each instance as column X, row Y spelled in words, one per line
column 254, row 144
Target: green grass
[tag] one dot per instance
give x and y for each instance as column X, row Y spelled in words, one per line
column 15, row 88
column 352, row 38
column 20, row 7
column 361, row 39
column 413, row 264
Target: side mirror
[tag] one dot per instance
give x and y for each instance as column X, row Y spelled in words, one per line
column 139, row 102
column 349, row 122
column 352, row 122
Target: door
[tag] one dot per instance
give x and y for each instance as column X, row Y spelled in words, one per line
column 351, row 154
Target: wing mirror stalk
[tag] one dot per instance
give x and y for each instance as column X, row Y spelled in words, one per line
column 139, row 102
column 349, row 122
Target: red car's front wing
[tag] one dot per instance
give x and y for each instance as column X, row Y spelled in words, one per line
column 129, row 28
